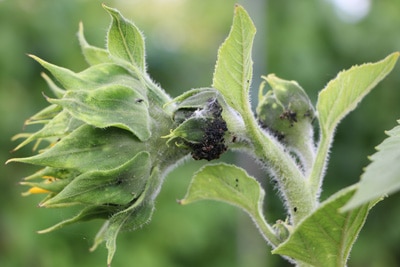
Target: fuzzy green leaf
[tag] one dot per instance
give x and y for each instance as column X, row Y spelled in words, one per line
column 92, row 77
column 134, row 218
column 86, row 214
column 92, row 54
column 343, row 93
column 226, row 183
column 233, row 71
column 131, row 218
column 118, row 186
column 327, row 235
column 382, row 175
column 103, row 148
column 231, row 184
column 112, row 105
column 124, row 40
column 61, row 125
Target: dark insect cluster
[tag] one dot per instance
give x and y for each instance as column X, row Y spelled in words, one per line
column 289, row 115
column 212, row 145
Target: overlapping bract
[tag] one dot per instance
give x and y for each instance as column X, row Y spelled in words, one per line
column 100, row 144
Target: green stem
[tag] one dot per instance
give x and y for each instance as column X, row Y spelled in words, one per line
column 266, row 230
column 318, row 169
column 299, row 200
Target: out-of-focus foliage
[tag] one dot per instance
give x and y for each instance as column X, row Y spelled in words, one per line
column 301, row 40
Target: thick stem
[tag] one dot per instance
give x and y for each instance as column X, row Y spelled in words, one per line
column 294, row 187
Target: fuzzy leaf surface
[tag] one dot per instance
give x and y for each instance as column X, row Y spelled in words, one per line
column 92, row 77
column 226, row 183
column 324, row 239
column 124, row 40
column 93, row 55
column 233, row 71
column 343, row 93
column 104, row 148
column 112, row 105
column 129, row 219
column 116, row 186
column 62, row 124
column 382, row 176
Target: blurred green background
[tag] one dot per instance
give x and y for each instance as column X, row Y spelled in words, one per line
column 308, row 41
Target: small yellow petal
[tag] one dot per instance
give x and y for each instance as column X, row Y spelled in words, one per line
column 38, row 190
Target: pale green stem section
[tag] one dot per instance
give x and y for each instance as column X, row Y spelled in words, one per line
column 318, row 169
column 306, row 152
column 266, row 230
column 299, row 200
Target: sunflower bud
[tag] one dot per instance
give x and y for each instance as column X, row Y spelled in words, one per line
column 100, row 144
column 286, row 111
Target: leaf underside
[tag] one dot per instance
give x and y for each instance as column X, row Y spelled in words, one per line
column 382, row 176
column 226, row 183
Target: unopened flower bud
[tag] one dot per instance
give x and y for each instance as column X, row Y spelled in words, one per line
column 287, row 113
column 201, row 126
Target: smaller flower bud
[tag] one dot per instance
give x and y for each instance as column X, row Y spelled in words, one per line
column 201, row 126
column 286, row 111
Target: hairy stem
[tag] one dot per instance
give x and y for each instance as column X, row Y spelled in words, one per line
column 299, row 200
column 318, row 169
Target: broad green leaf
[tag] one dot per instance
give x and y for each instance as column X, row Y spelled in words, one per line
column 87, row 148
column 382, row 175
column 124, row 40
column 118, row 186
column 112, row 105
column 226, row 183
column 233, row 71
column 93, row 55
column 324, row 239
column 231, row 184
column 343, row 93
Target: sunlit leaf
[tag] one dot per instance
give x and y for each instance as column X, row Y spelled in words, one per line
column 233, row 71
column 124, row 40
column 382, row 175
column 343, row 93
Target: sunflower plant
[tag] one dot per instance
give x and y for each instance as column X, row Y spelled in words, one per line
column 110, row 135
